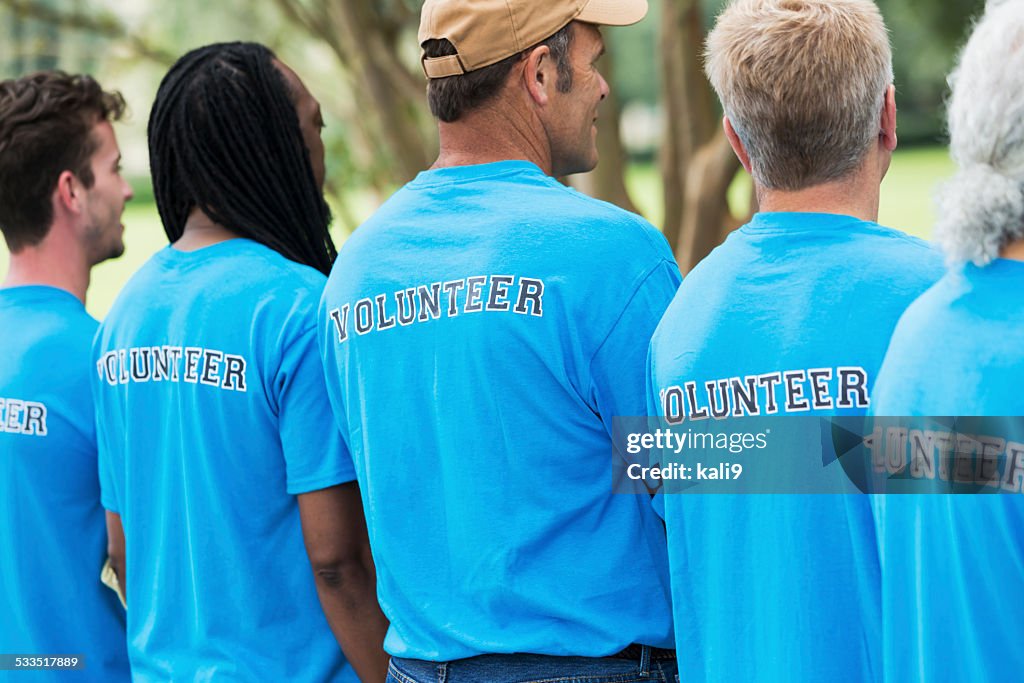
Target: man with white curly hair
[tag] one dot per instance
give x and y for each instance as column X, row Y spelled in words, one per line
column 791, row 315
column 954, row 579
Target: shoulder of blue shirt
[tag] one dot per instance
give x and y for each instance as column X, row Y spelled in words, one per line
column 901, row 243
column 626, row 234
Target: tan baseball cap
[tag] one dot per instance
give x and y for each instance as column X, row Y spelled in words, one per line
column 487, row 31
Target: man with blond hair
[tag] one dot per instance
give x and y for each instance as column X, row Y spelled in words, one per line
column 479, row 333
column 791, row 315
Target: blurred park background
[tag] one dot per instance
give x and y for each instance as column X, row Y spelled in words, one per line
column 662, row 152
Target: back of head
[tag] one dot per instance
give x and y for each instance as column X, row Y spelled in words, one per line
column 803, row 83
column 451, row 97
column 224, row 137
column 470, row 46
column 981, row 209
column 46, row 122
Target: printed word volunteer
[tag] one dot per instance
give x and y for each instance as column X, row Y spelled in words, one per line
column 18, row 416
column 421, row 303
column 191, row 364
column 801, row 390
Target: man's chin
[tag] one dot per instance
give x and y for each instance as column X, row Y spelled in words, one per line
column 576, row 166
column 115, row 251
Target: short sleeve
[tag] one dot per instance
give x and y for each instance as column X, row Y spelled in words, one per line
column 619, row 367
column 108, row 495
column 315, row 455
column 654, row 418
column 107, row 454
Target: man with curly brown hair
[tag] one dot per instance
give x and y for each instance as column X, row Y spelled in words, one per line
column 61, row 200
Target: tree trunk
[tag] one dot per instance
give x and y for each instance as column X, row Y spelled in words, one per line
column 393, row 137
column 696, row 161
column 607, row 181
column 744, row 216
column 389, row 99
column 706, row 216
column 687, row 103
column 395, row 95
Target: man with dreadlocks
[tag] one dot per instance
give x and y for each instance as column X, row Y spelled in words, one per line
column 217, row 448
column 479, row 333
column 61, row 199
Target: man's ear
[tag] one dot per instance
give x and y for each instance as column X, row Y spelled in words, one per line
column 70, row 192
column 540, row 74
column 736, row 143
column 887, row 124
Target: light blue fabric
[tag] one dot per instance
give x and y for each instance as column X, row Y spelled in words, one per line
column 52, row 528
column 954, row 564
column 783, row 587
column 204, row 441
column 504, row 322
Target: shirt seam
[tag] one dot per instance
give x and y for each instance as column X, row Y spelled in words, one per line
column 308, row 484
column 619, row 214
column 416, row 184
column 285, row 350
column 753, row 231
column 636, row 290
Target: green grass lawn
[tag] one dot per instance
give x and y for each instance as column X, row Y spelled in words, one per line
column 909, row 188
column 906, row 204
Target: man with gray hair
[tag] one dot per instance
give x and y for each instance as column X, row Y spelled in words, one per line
column 791, row 315
column 954, row 564
column 479, row 333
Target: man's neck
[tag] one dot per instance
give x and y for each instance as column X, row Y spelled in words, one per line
column 1013, row 250
column 53, row 263
column 855, row 196
column 496, row 132
column 201, row 231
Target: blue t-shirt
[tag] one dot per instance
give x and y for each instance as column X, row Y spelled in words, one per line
column 782, row 587
column 954, row 564
column 479, row 332
column 212, row 416
column 52, row 528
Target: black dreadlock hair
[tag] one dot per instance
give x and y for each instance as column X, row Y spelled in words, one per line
column 224, row 136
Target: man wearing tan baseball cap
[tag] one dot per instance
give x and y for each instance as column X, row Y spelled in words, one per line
column 486, row 31
column 479, row 333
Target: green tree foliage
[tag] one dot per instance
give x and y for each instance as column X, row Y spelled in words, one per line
column 359, row 57
column 926, row 35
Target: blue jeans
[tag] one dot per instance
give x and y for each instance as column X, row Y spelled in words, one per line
column 523, row 668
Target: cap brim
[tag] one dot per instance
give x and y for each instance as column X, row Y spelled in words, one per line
column 613, row 12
